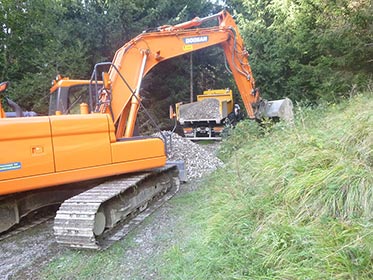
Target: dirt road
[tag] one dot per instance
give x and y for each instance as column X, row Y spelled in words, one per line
column 30, row 249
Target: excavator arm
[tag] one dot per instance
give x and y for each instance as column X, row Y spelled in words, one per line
column 137, row 57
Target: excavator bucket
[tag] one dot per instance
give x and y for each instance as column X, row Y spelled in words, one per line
column 276, row 109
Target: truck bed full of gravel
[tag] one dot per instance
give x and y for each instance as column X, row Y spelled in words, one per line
column 206, row 109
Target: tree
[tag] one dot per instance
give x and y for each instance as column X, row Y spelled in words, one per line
column 36, row 45
column 308, row 50
column 43, row 38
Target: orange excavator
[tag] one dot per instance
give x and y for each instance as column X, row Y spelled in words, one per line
column 89, row 134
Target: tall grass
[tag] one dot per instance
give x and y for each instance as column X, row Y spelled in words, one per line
column 293, row 202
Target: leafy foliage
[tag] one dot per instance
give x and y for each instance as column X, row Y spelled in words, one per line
column 308, row 50
column 41, row 39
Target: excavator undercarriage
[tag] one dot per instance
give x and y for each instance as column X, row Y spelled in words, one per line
column 104, row 214
column 14, row 207
column 95, row 213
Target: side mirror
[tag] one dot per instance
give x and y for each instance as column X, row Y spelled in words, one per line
column 4, row 86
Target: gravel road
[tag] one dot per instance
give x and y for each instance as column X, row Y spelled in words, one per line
column 24, row 255
column 27, row 251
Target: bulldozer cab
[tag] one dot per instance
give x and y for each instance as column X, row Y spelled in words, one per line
column 68, row 95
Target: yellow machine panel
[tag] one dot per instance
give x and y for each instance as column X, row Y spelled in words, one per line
column 131, row 150
column 25, row 147
column 80, row 141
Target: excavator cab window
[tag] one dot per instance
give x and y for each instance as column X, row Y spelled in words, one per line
column 76, row 96
column 67, row 100
column 53, row 100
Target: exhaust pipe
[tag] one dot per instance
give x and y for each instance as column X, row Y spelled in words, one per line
column 15, row 107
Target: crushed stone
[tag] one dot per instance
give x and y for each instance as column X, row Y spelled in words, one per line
column 198, row 161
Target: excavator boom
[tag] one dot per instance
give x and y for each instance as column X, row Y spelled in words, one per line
column 137, row 57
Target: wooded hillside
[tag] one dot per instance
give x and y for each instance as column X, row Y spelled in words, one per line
column 306, row 50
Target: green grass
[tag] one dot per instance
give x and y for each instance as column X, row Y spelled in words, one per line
column 293, row 202
column 76, row 264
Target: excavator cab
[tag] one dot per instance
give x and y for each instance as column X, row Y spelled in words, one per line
column 69, row 96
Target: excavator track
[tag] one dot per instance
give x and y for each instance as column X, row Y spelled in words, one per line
column 97, row 218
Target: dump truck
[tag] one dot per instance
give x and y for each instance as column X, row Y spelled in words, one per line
column 205, row 118
column 89, row 135
column 214, row 111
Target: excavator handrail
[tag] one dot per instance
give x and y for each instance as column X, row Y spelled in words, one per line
column 154, row 123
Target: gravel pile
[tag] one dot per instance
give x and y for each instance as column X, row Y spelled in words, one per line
column 205, row 109
column 198, row 162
